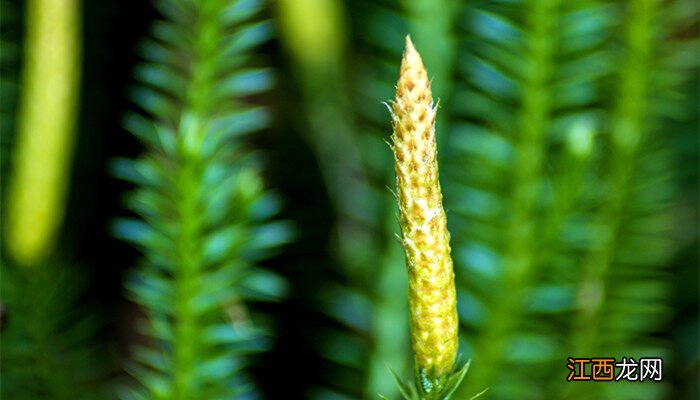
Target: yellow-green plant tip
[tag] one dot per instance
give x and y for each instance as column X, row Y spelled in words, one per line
column 46, row 129
column 424, row 235
column 312, row 30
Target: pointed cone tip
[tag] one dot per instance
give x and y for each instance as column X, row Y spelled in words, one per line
column 411, row 55
column 409, row 45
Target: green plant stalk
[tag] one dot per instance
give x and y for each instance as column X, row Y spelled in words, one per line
column 628, row 126
column 202, row 213
column 185, row 348
column 519, row 260
column 566, row 191
column 424, row 235
column 316, row 43
column 314, row 32
column 188, row 169
column 566, row 186
column 46, row 129
column 190, row 266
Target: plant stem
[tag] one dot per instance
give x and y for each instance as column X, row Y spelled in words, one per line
column 628, row 123
column 192, row 129
column 185, row 344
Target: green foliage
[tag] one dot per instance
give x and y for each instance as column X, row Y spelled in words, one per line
column 531, row 93
column 367, row 328
column 203, row 213
column 10, row 52
column 527, row 89
column 568, row 146
column 561, row 231
column 440, row 389
column 49, row 335
column 48, row 331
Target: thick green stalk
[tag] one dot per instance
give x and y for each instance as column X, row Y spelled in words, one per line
column 521, row 235
column 315, row 36
column 185, row 342
column 566, row 190
column 190, row 236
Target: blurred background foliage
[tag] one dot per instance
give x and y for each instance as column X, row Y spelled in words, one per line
column 229, row 228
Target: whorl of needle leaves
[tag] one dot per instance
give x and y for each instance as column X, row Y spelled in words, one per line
column 432, row 299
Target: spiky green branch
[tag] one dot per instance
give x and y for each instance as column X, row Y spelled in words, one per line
column 203, row 211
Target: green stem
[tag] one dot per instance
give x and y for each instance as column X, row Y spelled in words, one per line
column 188, row 269
column 626, row 133
column 330, row 129
column 192, row 131
column 317, row 47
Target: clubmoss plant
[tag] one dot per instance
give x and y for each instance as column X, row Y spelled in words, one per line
column 204, row 214
column 424, row 236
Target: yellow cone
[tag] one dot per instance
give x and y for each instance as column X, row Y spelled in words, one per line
column 432, row 298
column 46, row 129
